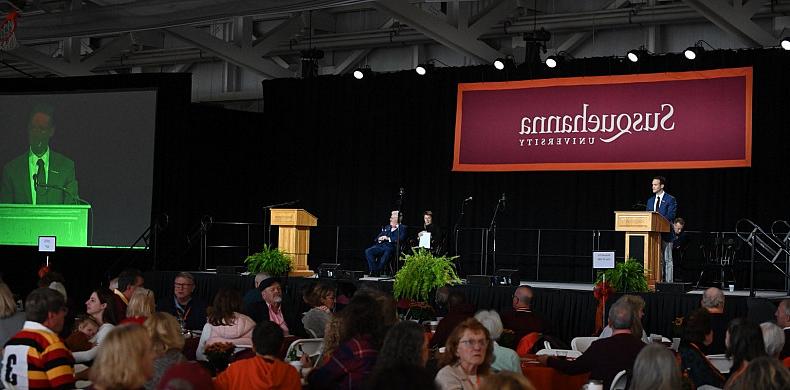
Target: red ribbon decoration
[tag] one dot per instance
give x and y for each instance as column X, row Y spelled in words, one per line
column 601, row 292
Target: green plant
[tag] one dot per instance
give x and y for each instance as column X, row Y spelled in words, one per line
column 422, row 272
column 628, row 276
column 270, row 260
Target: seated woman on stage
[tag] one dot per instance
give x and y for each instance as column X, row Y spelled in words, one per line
column 697, row 333
column 322, row 298
column 225, row 323
column 430, row 227
column 467, row 358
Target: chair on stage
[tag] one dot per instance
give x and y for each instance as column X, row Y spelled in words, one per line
column 620, row 381
column 719, row 253
column 582, row 343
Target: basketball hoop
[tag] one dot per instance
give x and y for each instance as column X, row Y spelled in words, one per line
column 8, row 32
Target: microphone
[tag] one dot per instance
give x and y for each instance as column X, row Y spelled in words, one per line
column 400, row 192
column 35, row 180
column 504, row 201
column 467, row 199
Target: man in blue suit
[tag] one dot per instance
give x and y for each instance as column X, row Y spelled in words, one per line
column 388, row 239
column 666, row 205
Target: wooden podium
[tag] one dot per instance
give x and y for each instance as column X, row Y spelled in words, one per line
column 295, row 236
column 643, row 239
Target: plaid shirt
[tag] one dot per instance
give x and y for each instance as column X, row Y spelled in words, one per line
column 348, row 367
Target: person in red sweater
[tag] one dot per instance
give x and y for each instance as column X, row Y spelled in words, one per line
column 264, row 370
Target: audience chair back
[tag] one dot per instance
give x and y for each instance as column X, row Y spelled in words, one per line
column 526, row 343
column 312, row 347
column 620, row 381
column 582, row 343
column 721, row 362
column 560, row 352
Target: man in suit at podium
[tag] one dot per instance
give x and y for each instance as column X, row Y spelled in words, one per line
column 389, row 237
column 40, row 175
column 666, row 205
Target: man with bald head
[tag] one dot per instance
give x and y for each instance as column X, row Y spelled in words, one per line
column 522, row 320
column 713, row 301
column 40, row 175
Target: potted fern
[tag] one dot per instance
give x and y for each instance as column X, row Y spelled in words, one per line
column 270, row 260
column 628, row 276
column 422, row 272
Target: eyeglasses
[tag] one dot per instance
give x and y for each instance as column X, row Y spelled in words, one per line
column 474, row 343
column 183, row 285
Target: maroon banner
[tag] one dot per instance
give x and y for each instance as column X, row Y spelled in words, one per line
column 664, row 120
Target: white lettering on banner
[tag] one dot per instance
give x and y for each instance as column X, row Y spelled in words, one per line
column 617, row 123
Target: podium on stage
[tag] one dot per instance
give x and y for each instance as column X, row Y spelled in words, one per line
column 294, row 236
column 643, row 239
column 22, row 224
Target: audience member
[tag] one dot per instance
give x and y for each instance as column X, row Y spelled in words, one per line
column 361, row 333
column 35, row 357
column 225, row 323
column 600, row 359
column 186, row 376
column 167, row 342
column 254, row 295
column 190, row 311
column 141, row 305
column 467, row 358
column 697, row 333
column 764, row 373
column 506, row 380
column 713, row 302
column 458, row 310
column 505, row 359
column 440, row 301
column 522, row 320
column 331, row 338
column 783, row 321
column 637, row 305
column 270, row 308
column 264, row 370
column 99, row 306
column 402, row 376
column 744, row 342
column 11, row 321
column 85, row 329
column 405, row 343
column 128, row 280
column 321, row 298
column 125, row 360
column 655, row 368
column 774, row 338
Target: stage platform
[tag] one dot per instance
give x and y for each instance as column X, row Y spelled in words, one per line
column 570, row 307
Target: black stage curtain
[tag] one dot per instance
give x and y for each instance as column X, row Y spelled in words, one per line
column 344, row 147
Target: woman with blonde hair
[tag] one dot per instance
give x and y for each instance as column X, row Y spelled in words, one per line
column 467, row 358
column 125, row 359
column 141, row 305
column 167, row 343
column 11, row 321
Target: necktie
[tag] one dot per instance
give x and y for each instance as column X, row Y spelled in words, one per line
column 658, row 203
column 41, row 177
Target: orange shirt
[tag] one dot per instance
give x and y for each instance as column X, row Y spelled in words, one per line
column 258, row 373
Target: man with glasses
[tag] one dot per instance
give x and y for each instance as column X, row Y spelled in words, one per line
column 522, row 320
column 189, row 310
column 36, row 358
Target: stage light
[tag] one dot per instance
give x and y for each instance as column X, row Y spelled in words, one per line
column 558, row 59
column 692, row 52
column 499, row 64
column 636, row 54
column 551, row 61
column 358, row 74
column 420, row 69
column 785, row 43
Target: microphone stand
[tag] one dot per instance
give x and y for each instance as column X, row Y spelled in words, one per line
column 492, row 231
column 457, row 227
column 268, row 226
column 397, row 238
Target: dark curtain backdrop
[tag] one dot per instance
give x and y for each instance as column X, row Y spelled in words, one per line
column 344, row 147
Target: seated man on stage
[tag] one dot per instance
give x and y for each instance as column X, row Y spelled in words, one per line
column 387, row 241
column 430, row 227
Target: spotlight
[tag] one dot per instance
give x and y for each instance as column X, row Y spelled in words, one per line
column 358, row 74
column 551, row 61
column 558, row 59
column 636, row 54
column 693, row 52
column 420, row 69
column 785, row 43
column 499, row 64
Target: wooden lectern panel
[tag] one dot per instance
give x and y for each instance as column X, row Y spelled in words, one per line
column 645, row 227
column 640, row 221
column 292, row 217
column 294, row 237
